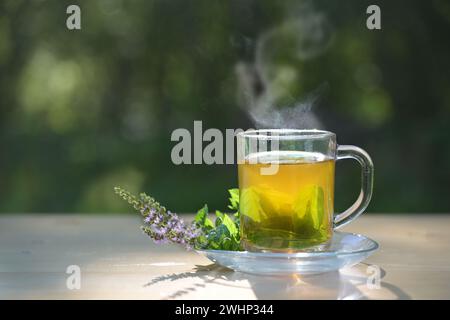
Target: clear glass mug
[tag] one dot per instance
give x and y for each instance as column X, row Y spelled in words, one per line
column 286, row 183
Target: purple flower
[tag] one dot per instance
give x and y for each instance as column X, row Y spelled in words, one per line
column 164, row 226
column 147, row 220
column 160, row 224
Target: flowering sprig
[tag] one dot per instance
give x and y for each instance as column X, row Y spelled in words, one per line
column 160, row 224
column 163, row 226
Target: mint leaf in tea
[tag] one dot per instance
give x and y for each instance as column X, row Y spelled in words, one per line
column 290, row 209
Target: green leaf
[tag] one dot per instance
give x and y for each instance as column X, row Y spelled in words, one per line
column 225, row 235
column 201, row 215
column 231, row 226
column 251, row 205
column 310, row 205
column 234, row 199
column 219, row 215
column 201, row 218
column 317, row 207
column 216, row 236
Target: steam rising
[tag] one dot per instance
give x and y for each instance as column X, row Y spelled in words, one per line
column 269, row 86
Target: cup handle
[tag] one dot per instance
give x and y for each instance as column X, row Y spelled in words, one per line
column 352, row 152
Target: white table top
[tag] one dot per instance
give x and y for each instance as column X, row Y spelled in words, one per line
column 118, row 262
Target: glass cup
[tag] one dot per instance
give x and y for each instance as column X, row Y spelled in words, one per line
column 286, row 184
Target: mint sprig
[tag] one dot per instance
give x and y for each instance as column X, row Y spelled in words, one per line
column 164, row 226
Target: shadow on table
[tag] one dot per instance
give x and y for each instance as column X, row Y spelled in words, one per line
column 331, row 285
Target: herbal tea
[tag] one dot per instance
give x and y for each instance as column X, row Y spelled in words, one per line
column 290, row 209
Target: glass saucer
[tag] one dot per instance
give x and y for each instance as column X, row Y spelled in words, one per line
column 345, row 249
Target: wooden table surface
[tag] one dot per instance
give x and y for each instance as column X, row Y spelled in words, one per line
column 117, row 261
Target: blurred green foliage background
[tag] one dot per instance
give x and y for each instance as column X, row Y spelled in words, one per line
column 83, row 111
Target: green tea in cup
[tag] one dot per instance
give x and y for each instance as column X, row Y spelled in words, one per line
column 286, row 184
